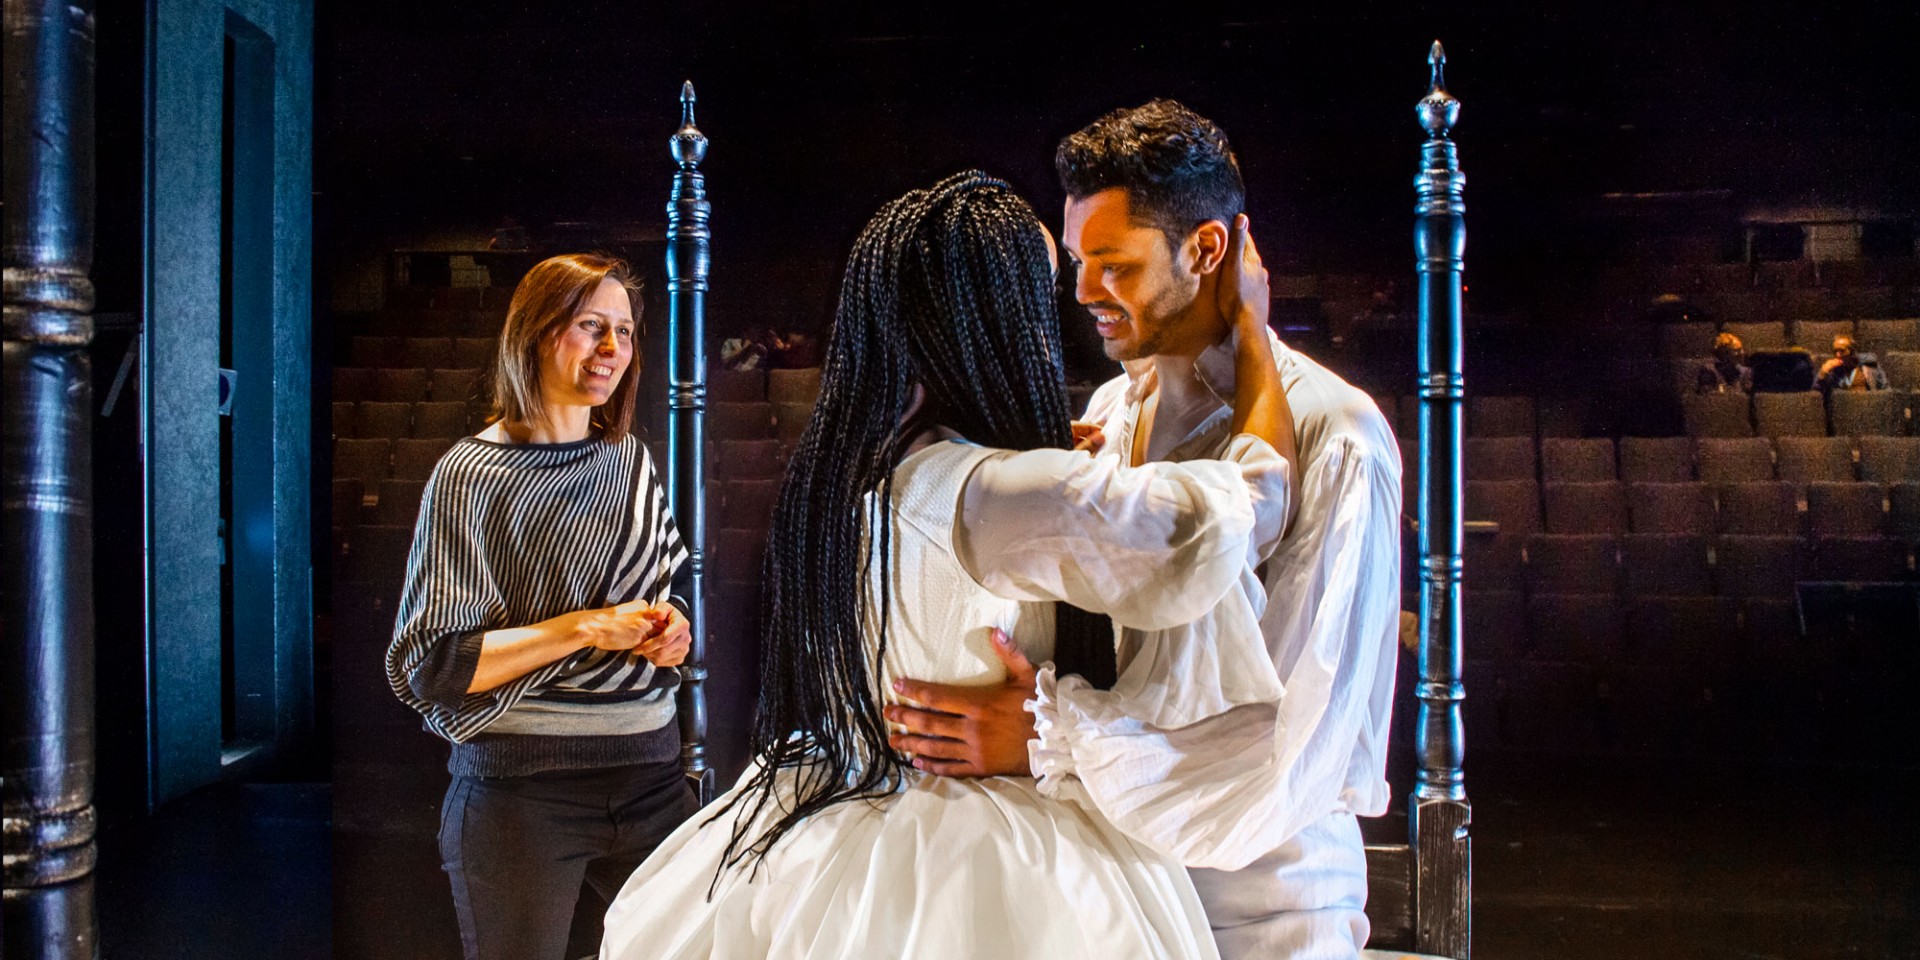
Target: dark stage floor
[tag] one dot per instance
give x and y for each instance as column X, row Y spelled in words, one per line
column 1573, row 862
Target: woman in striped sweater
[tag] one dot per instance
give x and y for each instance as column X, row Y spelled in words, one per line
column 535, row 631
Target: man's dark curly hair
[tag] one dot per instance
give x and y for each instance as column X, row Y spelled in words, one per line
column 1175, row 165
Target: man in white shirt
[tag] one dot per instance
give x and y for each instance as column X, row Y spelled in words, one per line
column 1258, row 796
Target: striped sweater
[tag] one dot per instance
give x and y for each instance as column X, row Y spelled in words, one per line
column 512, row 534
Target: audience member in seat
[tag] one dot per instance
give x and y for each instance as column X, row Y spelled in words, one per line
column 1728, row 371
column 1849, row 370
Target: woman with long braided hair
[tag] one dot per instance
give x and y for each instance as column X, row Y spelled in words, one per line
column 941, row 445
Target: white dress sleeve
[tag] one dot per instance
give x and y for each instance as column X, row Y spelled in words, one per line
column 1150, row 546
column 1216, row 779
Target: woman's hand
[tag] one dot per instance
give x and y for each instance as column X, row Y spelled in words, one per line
column 1088, row 436
column 1244, row 295
column 671, row 639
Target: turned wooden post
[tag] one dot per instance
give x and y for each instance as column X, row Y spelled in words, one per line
column 687, row 262
column 1439, row 813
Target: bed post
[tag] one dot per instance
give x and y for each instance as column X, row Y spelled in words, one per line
column 686, row 426
column 1440, row 814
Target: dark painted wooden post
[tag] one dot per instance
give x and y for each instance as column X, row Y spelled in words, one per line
column 686, row 426
column 1440, row 814
column 46, row 650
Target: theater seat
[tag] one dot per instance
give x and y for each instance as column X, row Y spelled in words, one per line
column 1890, row 459
column 1800, row 414
column 1759, row 335
column 1573, row 563
column 1846, row 509
column 1733, row 460
column 1759, row 566
column 1513, row 504
column 1656, row 459
column 1765, row 508
column 1585, row 507
column 1807, row 459
column 1671, row 508
column 1577, row 461
column 1500, row 417
column 1883, row 336
column 1816, row 336
column 1666, row 564
column 1858, row 413
column 1499, row 458
column 1717, row 415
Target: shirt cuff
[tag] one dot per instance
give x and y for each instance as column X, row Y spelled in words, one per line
column 1050, row 753
column 443, row 677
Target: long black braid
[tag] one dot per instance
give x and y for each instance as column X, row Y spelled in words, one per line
column 948, row 288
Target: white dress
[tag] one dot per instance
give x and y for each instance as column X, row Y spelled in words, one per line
column 973, row 868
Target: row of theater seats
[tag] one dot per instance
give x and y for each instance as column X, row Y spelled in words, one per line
column 1688, row 339
column 1766, row 566
column 429, row 352
column 405, row 384
column 377, row 419
column 1819, row 509
column 1807, row 413
column 1877, row 459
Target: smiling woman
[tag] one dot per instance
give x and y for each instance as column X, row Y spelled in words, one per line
column 568, row 341
column 535, row 631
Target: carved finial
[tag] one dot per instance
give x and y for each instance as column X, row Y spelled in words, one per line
column 689, row 145
column 1438, row 109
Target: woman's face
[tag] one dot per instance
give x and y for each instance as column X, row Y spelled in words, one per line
column 586, row 358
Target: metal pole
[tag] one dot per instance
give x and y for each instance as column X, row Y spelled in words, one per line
column 1440, row 813
column 46, row 652
column 687, row 263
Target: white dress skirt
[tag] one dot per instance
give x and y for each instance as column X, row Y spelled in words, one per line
column 945, row 867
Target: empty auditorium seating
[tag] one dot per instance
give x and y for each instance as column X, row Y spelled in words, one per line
column 1666, row 564
column 1513, row 504
column 1670, row 508
column 1495, row 619
column 368, row 461
column 790, row 419
column 400, row 385
column 414, row 459
column 738, row 386
column 1733, row 460
column 1845, row 509
column 456, row 385
column 1696, row 632
column 1562, row 415
column 1759, row 566
column 1807, row 459
column 1890, row 459
column 375, row 351
column 1583, row 627
column 1500, row 417
column 399, row 503
column 1903, row 511
column 1499, row 458
column 793, row 386
column 1816, row 336
column 1717, row 415
column 377, row 418
column 1902, row 368
column 1759, row 335
column 748, row 504
column 1761, row 507
column 1576, row 461
column 427, row 352
column 1799, row 414
column 1686, row 340
column 740, row 420
column 473, row 353
column 439, row 419
column 1862, row 559
column 1656, row 459
column 353, row 383
column 348, row 494
column 342, row 423
column 1857, row 413
column 1585, row 507
column 1573, row 563
column 1882, row 336
column 748, row 460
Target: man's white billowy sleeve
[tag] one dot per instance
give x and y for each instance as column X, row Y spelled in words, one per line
column 1203, row 764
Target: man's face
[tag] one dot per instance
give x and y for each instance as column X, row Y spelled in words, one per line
column 1843, row 349
column 1141, row 292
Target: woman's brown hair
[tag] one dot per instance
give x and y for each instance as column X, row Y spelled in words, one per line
column 547, row 299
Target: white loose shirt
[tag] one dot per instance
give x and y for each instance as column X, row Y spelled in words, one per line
column 1253, row 768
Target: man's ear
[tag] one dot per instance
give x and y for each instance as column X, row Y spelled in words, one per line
column 1209, row 244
